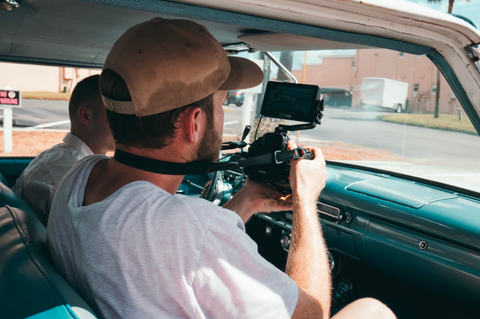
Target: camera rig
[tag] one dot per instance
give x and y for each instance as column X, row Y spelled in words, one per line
column 268, row 158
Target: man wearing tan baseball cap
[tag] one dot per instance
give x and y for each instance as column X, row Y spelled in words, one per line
column 132, row 247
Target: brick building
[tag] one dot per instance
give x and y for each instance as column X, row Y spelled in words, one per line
column 347, row 71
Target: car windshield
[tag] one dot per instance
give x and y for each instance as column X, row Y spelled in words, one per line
column 385, row 109
column 380, row 111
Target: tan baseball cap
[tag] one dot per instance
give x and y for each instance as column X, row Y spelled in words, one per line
column 168, row 64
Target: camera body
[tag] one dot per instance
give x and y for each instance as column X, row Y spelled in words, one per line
column 288, row 101
column 270, row 173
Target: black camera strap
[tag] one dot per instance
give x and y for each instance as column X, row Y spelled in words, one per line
column 169, row 168
column 203, row 167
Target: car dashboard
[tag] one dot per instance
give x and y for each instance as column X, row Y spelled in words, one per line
column 411, row 232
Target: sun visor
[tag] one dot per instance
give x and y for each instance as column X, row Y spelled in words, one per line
column 271, row 41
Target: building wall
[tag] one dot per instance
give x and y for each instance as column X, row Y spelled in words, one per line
column 35, row 78
column 347, row 73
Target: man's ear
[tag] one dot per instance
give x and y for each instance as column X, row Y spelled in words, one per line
column 192, row 123
column 84, row 115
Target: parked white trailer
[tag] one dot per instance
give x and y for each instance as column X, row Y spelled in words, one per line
column 384, row 93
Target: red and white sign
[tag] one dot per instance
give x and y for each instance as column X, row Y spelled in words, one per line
column 10, row 98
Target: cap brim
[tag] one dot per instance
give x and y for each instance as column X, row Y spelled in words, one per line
column 244, row 74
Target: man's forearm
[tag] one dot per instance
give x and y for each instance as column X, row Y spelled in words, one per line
column 307, row 262
column 240, row 205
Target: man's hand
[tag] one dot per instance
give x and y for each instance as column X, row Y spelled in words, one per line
column 307, row 261
column 258, row 197
column 307, row 177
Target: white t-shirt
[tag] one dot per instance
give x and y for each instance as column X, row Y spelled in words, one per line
column 39, row 181
column 144, row 253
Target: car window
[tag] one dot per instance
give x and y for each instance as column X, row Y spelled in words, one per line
column 42, row 119
column 380, row 113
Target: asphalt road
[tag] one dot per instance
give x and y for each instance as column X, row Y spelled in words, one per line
column 422, row 145
column 41, row 112
column 343, row 125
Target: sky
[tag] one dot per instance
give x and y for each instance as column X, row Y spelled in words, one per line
column 467, row 9
column 470, row 10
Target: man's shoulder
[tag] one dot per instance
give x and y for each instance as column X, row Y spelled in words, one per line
column 211, row 214
column 60, row 151
column 173, row 208
column 49, row 166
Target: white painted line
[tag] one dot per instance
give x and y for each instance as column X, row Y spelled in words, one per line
column 230, row 123
column 51, row 124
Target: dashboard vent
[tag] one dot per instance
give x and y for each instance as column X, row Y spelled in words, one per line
column 329, row 213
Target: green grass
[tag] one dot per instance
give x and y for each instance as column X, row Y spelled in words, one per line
column 46, row 96
column 447, row 122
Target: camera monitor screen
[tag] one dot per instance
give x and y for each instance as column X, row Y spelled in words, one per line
column 291, row 101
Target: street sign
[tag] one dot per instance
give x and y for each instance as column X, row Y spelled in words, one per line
column 10, row 98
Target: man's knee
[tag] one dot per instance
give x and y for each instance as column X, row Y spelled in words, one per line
column 374, row 308
column 365, row 308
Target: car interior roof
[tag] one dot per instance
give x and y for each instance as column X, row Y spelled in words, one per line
column 81, row 33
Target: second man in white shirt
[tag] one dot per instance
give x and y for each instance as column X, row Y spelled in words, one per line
column 89, row 135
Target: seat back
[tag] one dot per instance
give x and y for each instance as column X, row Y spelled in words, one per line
column 30, row 284
column 4, row 180
column 8, row 197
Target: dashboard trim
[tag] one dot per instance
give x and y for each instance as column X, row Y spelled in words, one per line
column 455, row 189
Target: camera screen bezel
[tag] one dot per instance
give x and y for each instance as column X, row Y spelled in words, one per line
column 312, row 115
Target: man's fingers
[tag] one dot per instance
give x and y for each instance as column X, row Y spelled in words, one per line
column 315, row 150
column 287, row 198
column 317, row 153
column 291, row 145
column 285, row 206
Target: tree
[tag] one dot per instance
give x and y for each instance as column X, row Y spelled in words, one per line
column 437, row 92
column 286, row 59
column 450, row 4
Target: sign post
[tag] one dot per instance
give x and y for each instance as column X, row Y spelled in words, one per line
column 8, row 100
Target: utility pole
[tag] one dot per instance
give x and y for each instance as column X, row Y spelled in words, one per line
column 437, row 97
column 286, row 59
column 266, row 78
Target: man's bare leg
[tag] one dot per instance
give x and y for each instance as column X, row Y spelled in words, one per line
column 366, row 308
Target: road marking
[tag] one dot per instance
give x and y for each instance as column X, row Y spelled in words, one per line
column 51, row 124
column 230, row 123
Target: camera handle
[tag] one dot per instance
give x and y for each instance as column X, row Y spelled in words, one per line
column 277, row 157
column 286, row 128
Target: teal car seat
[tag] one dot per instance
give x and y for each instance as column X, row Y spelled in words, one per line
column 30, row 286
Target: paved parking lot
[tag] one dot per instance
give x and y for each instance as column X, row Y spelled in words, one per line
column 344, row 125
column 361, row 128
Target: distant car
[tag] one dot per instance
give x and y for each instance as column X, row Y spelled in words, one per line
column 235, row 97
column 337, row 97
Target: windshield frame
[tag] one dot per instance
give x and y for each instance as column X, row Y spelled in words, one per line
column 439, row 61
